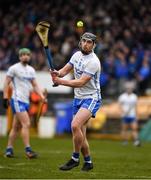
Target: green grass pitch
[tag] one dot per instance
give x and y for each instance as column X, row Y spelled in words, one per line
column 111, row 160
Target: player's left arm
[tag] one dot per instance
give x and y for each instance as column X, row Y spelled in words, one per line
column 74, row 82
column 37, row 89
column 136, row 107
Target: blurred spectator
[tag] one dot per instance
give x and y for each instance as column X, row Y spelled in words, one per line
column 121, row 68
column 143, row 76
column 132, row 67
column 4, row 59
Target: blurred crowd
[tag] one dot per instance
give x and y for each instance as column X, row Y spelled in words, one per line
column 123, row 28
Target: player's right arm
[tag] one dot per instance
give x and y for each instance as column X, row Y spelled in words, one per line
column 120, row 103
column 5, row 91
column 63, row 71
column 66, row 69
column 6, row 87
column 9, row 76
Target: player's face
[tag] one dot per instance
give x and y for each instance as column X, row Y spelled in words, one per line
column 87, row 45
column 129, row 90
column 25, row 58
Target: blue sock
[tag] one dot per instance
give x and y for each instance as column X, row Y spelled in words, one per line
column 9, row 149
column 28, row 149
column 75, row 156
column 87, row 159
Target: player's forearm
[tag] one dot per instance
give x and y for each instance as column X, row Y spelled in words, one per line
column 65, row 70
column 62, row 73
column 5, row 88
column 5, row 91
column 39, row 91
column 72, row 83
column 37, row 88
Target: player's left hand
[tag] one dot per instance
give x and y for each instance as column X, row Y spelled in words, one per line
column 43, row 99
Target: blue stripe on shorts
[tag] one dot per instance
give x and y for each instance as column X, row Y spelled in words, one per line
column 18, row 106
column 91, row 104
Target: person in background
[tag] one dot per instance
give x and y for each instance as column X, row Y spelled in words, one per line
column 128, row 103
column 22, row 78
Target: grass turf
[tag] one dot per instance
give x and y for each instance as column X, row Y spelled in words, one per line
column 111, row 160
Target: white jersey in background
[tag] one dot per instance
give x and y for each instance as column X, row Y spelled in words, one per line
column 128, row 103
column 21, row 78
column 88, row 64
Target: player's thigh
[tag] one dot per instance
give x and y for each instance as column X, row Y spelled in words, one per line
column 81, row 117
column 23, row 118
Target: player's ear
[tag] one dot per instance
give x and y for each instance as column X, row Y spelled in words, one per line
column 79, row 45
column 94, row 46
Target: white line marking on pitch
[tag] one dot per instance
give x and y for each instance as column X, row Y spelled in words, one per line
column 6, row 167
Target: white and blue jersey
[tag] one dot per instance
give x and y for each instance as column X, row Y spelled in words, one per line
column 87, row 64
column 89, row 95
column 128, row 104
column 21, row 81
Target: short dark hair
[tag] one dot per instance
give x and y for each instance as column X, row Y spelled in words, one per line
column 89, row 36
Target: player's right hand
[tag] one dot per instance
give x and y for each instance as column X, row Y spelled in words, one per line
column 54, row 73
column 5, row 103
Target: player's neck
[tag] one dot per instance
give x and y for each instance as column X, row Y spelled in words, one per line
column 129, row 93
column 24, row 63
column 86, row 53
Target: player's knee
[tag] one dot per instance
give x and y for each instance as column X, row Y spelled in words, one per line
column 17, row 128
column 26, row 125
column 134, row 129
column 74, row 127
